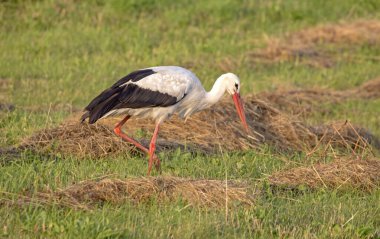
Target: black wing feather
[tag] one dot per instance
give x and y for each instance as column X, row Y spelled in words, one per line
column 103, row 108
column 133, row 76
column 127, row 96
column 135, row 97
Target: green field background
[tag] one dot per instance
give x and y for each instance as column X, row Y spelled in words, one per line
column 55, row 56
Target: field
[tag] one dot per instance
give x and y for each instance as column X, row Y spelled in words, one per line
column 311, row 85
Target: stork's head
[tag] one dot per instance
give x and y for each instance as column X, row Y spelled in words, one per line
column 232, row 83
column 233, row 88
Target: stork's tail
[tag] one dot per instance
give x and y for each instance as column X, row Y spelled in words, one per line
column 101, row 105
column 85, row 116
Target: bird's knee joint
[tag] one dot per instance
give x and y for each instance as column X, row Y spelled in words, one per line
column 117, row 130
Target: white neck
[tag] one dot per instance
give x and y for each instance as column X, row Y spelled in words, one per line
column 217, row 91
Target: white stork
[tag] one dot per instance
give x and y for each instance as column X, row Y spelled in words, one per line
column 157, row 93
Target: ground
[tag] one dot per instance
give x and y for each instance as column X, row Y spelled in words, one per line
column 55, row 56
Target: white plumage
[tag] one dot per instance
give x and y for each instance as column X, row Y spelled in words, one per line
column 172, row 80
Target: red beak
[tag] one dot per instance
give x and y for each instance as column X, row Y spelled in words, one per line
column 240, row 109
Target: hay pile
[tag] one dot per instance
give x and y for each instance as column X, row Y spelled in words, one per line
column 305, row 45
column 341, row 174
column 196, row 192
column 338, row 134
column 302, row 102
column 208, row 131
column 219, row 128
column 356, row 32
column 359, row 174
column 79, row 140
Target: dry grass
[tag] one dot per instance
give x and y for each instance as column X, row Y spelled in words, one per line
column 359, row 174
column 209, row 131
column 356, row 32
column 340, row 174
column 219, row 128
column 337, row 134
column 79, row 140
column 301, row 102
column 305, row 45
column 194, row 192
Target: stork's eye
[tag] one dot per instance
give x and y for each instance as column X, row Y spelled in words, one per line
column 236, row 86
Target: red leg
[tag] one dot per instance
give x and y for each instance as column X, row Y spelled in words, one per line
column 120, row 133
column 125, row 137
column 152, row 148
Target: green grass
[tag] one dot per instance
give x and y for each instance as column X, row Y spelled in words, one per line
column 65, row 52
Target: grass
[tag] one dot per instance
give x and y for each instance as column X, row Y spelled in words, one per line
column 54, row 53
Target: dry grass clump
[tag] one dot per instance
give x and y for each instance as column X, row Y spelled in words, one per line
column 356, row 32
column 196, row 192
column 283, row 131
column 209, row 131
column 219, row 128
column 305, row 101
column 368, row 90
column 305, row 45
column 338, row 134
column 79, row 140
column 359, row 174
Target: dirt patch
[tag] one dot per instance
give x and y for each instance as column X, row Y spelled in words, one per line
column 310, row 46
column 194, row 192
column 359, row 174
column 7, row 107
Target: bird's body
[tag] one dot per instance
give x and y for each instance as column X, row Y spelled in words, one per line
column 168, row 81
column 157, row 93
